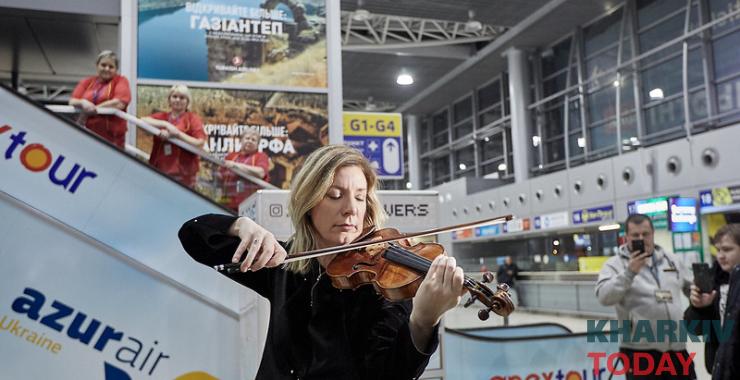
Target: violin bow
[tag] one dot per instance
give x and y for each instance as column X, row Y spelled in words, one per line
column 352, row 246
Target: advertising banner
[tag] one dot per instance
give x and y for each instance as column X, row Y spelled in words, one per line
column 291, row 126
column 517, row 225
column 84, row 311
column 655, row 208
column 553, row 220
column 683, row 215
column 720, row 196
column 408, row 211
column 595, row 214
column 492, row 230
column 379, row 137
column 247, row 42
column 488, row 354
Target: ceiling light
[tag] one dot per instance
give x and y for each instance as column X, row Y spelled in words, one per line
column 405, row 79
column 502, row 167
column 610, row 227
column 581, row 142
column 616, row 83
column 486, row 139
column 462, row 166
column 472, row 26
column 656, row 93
column 409, row 185
column 370, row 104
column 360, row 14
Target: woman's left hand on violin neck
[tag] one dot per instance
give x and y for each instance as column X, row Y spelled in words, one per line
column 439, row 292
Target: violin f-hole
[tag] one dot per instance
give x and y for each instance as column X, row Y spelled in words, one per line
column 357, row 266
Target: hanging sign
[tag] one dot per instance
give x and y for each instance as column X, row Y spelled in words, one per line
column 379, row 137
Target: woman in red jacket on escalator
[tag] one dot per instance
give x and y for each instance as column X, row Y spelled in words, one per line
column 107, row 89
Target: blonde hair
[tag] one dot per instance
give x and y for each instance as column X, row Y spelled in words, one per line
column 182, row 90
column 310, row 186
column 251, row 132
column 107, row 54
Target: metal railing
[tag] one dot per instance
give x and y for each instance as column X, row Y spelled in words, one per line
column 148, row 128
column 174, row 141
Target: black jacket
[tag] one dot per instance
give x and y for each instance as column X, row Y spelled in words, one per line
column 503, row 276
column 722, row 359
column 315, row 330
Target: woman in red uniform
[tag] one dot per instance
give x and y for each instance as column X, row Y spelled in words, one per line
column 181, row 124
column 249, row 160
column 107, row 89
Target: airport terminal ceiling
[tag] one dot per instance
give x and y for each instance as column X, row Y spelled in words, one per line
column 40, row 51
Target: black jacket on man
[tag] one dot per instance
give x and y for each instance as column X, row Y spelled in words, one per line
column 315, row 330
column 721, row 358
column 507, row 274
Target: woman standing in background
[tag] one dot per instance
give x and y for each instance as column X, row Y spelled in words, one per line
column 181, row 124
column 107, row 89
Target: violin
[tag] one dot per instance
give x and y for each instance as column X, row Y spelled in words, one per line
column 386, row 259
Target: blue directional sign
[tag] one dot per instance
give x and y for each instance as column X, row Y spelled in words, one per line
column 378, row 136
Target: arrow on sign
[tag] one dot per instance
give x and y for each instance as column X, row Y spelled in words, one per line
column 391, row 145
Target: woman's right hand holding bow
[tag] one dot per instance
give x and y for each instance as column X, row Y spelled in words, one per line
column 261, row 248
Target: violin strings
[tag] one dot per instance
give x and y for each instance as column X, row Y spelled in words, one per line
column 419, row 260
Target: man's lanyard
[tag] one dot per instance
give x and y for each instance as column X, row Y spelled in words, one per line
column 654, row 270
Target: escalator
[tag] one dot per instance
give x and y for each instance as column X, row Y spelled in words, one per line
column 93, row 280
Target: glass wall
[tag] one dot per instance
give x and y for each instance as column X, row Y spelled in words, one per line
column 470, row 138
column 641, row 75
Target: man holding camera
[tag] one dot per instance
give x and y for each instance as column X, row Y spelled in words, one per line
column 644, row 283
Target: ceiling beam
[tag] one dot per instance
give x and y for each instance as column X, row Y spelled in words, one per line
column 487, row 51
column 372, row 32
column 460, row 52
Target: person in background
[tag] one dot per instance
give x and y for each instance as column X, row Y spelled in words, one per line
column 180, row 124
column 722, row 358
column 315, row 330
column 507, row 274
column 644, row 284
column 249, row 160
column 107, row 89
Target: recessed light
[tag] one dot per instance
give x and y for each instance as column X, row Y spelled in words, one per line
column 405, row 79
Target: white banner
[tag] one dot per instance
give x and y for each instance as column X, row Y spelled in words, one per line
column 72, row 308
column 408, row 211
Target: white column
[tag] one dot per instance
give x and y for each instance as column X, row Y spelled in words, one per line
column 412, row 126
column 521, row 123
column 334, row 66
column 128, row 55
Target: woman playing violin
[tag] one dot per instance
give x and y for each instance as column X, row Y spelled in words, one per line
column 317, row 331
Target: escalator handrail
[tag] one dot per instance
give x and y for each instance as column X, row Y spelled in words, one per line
column 155, row 131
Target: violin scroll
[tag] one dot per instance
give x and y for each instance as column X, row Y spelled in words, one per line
column 498, row 302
